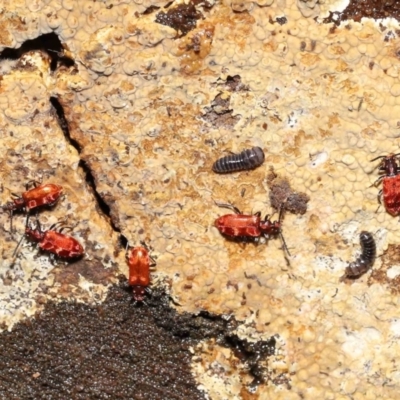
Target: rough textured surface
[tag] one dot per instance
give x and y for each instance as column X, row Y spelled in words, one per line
column 149, row 107
column 59, row 355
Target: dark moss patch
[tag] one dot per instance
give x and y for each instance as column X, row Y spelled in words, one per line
column 253, row 353
column 380, row 275
column 219, row 114
column 358, row 9
column 282, row 193
column 182, row 18
column 115, row 350
column 232, row 84
column 112, row 351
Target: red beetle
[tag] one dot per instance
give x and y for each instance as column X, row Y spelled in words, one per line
column 244, row 227
column 43, row 195
column 139, row 262
column 390, row 177
column 56, row 243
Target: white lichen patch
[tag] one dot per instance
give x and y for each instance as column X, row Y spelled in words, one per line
column 151, row 110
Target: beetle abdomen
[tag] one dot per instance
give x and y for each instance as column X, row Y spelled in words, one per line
column 247, row 159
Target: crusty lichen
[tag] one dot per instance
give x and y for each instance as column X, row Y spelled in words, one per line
column 320, row 100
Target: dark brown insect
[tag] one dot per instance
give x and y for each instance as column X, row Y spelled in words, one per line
column 366, row 259
column 247, row 159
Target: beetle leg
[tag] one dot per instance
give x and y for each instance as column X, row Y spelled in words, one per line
column 377, row 158
column 281, row 211
column 146, row 246
column 27, row 225
column 16, row 249
column 378, row 180
column 68, row 228
column 229, row 206
column 152, row 261
column 379, row 196
column 284, row 244
column 51, row 204
column 11, row 224
column 243, row 240
column 53, row 259
column 38, row 225
column 32, row 182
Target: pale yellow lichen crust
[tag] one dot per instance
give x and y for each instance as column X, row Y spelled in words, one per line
column 322, row 101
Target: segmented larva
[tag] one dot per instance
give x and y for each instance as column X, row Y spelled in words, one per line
column 247, row 159
column 365, row 261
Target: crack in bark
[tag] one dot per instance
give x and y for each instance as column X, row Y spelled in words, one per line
column 89, row 177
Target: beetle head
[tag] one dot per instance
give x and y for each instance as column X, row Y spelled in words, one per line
column 270, row 228
column 16, row 204
column 35, row 234
column 139, row 293
column 388, row 164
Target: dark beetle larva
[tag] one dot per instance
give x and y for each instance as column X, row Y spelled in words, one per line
column 247, row 159
column 366, row 259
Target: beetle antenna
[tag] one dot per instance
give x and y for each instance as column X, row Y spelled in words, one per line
column 281, row 212
column 38, row 226
column 22, row 238
column 144, row 244
column 377, row 158
column 229, row 206
column 280, row 230
column 284, row 244
column 11, row 224
column 27, row 220
column 15, row 251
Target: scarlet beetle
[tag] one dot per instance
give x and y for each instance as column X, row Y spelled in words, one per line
column 244, row 227
column 140, row 262
column 55, row 243
column 390, row 176
column 45, row 194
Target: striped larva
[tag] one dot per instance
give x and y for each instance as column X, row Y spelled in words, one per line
column 366, row 259
column 247, row 159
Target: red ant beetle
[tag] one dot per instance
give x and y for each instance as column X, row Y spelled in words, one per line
column 244, row 227
column 139, row 262
column 45, row 194
column 56, row 243
column 390, row 177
